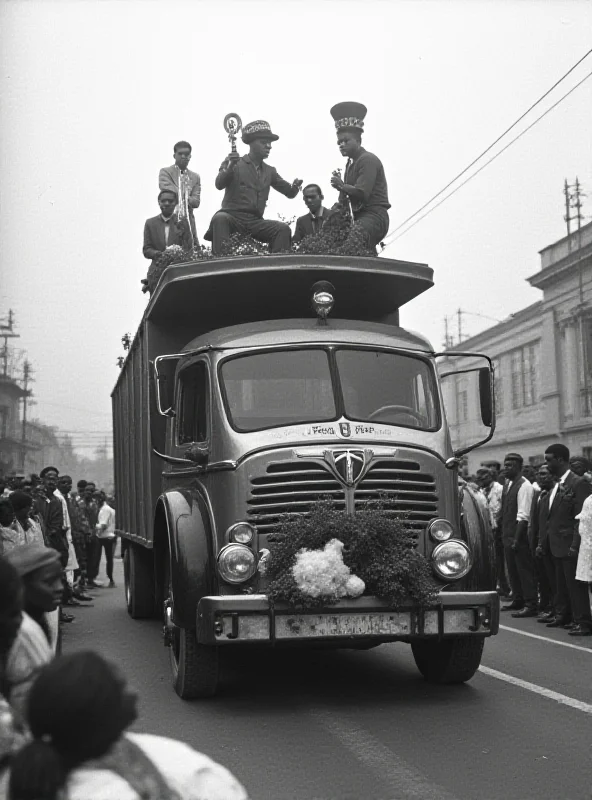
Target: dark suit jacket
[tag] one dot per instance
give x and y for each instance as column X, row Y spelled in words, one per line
column 304, row 225
column 562, row 525
column 52, row 518
column 246, row 190
column 537, row 528
column 154, row 242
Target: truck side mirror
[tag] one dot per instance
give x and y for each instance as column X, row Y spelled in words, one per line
column 486, row 396
column 164, row 372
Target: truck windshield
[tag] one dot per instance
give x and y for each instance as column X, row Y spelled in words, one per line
column 288, row 387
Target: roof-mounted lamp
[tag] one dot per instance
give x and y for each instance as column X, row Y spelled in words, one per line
column 323, row 300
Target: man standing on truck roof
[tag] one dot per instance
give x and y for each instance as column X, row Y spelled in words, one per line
column 364, row 182
column 247, row 182
column 182, row 181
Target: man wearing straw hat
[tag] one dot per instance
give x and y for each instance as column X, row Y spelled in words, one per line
column 363, row 188
column 246, row 182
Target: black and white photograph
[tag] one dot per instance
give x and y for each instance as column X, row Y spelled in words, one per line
column 296, row 400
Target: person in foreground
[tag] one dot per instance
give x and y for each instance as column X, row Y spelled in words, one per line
column 83, row 692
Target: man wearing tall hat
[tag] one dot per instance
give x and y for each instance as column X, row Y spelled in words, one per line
column 363, row 187
column 246, row 182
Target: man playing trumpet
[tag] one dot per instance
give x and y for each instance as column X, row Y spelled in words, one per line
column 363, row 187
column 185, row 183
column 246, row 182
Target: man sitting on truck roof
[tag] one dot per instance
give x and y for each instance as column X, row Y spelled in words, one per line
column 163, row 231
column 246, row 182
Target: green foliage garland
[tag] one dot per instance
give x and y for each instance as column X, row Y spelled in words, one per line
column 378, row 548
column 338, row 236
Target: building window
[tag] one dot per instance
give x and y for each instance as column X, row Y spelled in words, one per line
column 524, row 376
column 498, row 387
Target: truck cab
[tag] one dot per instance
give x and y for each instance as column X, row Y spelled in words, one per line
column 254, row 388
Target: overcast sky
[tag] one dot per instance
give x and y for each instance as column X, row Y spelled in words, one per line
column 95, row 93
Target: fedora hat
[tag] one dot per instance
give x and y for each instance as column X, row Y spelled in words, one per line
column 260, row 129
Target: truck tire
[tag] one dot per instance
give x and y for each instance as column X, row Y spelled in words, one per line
column 138, row 572
column 450, row 661
column 195, row 666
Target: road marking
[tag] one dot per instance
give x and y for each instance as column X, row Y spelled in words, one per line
column 403, row 780
column 546, row 639
column 533, row 687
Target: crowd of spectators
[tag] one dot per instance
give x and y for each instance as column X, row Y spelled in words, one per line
column 542, row 523
column 64, row 719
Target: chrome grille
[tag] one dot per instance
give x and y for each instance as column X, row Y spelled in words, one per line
column 290, row 488
column 403, row 488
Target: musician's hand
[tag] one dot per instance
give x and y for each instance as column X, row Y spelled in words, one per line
column 337, row 183
column 232, row 160
column 297, row 183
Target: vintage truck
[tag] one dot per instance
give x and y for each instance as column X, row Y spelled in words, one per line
column 253, row 387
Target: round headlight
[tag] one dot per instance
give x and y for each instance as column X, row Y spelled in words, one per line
column 241, row 532
column 452, row 560
column 236, row 563
column 440, row 530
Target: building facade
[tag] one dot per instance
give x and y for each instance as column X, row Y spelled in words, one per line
column 543, row 365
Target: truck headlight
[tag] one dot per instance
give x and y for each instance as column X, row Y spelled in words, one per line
column 451, row 560
column 241, row 532
column 440, row 530
column 236, row 563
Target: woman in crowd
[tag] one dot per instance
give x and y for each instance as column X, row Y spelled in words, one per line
column 82, row 692
column 26, row 530
column 584, row 567
column 11, row 614
column 40, row 571
column 8, row 537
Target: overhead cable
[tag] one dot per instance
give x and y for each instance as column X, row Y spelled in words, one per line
column 487, row 149
column 482, row 167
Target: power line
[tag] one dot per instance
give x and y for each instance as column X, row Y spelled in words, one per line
column 474, row 174
column 501, row 136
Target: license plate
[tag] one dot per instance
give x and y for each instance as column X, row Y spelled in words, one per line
column 310, row 626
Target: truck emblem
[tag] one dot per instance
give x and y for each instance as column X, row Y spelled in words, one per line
column 349, row 465
column 345, row 429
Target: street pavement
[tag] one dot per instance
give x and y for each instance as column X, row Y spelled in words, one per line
column 364, row 725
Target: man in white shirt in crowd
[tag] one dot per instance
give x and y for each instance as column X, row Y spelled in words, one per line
column 105, row 531
column 491, row 491
column 515, row 515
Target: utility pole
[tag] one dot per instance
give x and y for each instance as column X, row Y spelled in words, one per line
column 27, row 378
column 7, row 332
column 459, row 315
column 446, row 334
column 567, row 216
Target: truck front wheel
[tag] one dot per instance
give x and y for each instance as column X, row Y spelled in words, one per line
column 195, row 666
column 449, row 661
column 138, row 569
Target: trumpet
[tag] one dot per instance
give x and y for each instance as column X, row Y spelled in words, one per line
column 183, row 204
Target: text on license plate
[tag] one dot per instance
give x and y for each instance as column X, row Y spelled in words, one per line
column 312, row 625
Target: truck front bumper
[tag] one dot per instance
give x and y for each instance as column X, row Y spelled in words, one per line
column 234, row 619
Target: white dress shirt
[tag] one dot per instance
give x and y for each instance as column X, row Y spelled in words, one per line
column 525, row 498
column 555, row 488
